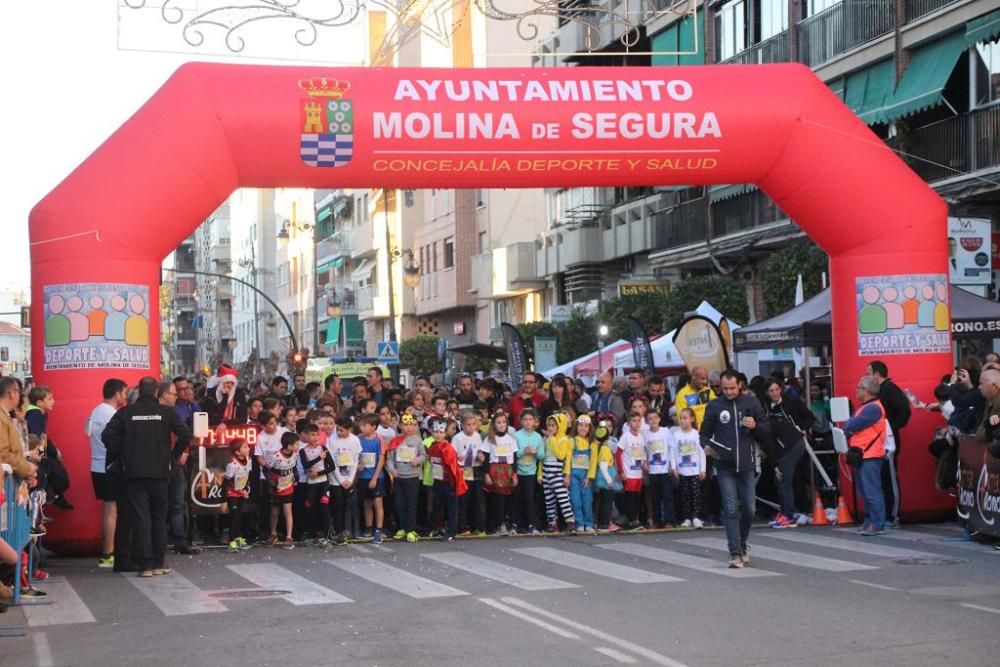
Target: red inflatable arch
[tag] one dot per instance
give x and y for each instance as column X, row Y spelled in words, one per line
column 102, row 233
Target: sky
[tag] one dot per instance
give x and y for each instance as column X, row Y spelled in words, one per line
column 67, row 87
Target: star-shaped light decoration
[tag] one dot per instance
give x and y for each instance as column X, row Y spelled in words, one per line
column 433, row 18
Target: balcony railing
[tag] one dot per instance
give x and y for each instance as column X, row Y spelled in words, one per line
column 953, row 146
column 842, row 27
column 680, row 225
column 366, row 298
column 743, row 212
column 916, row 8
column 771, row 50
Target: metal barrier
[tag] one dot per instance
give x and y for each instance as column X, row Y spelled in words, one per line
column 15, row 529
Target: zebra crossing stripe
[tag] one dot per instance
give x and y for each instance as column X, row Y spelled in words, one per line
column 66, row 607
column 603, row 568
column 783, row 556
column 394, row 578
column 708, row 565
column 302, row 591
column 507, row 574
column 861, row 545
column 175, row 595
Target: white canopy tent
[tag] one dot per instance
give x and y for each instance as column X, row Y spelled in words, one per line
column 567, row 368
column 665, row 353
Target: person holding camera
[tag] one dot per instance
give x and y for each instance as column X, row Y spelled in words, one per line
column 866, row 433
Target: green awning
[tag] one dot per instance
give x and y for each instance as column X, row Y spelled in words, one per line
column 923, row 83
column 324, row 213
column 983, row 29
column 333, row 331
column 355, row 330
column 867, row 90
column 719, row 193
column 675, row 45
column 332, row 264
column 837, row 87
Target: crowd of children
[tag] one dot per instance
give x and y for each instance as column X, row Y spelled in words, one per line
column 328, row 480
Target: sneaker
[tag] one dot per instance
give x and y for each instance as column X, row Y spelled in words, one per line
column 579, row 530
column 552, row 529
column 288, row 544
column 106, row 562
column 187, row 550
column 399, row 535
column 447, row 538
column 160, row 571
column 365, row 535
column 234, row 546
column 862, row 529
column 637, row 527
column 481, row 533
column 735, row 562
column 271, row 541
column 613, row 528
column 779, row 521
column 601, row 530
column 243, row 544
column 534, row 531
column 686, row 523
column 570, row 527
column 35, row 594
column 40, row 575
column 340, row 541
column 502, row 530
column 62, row 503
column 589, row 530
column 698, row 524
column 997, row 546
column 870, row 531
column 377, row 537
column 412, row 537
column 803, row 519
column 745, row 557
column 145, row 574
column 37, row 530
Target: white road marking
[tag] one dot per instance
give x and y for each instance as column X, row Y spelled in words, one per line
column 603, row 568
column 303, row 591
column 615, row 655
column 646, row 653
column 979, row 608
column 66, row 607
column 175, row 595
column 861, row 545
column 501, row 572
column 783, row 556
column 369, row 549
column 43, row 653
column 709, row 565
column 360, row 548
column 871, row 585
column 939, row 540
column 565, row 634
column 396, row 579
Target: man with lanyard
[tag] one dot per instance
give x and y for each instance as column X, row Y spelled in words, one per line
column 696, row 395
column 529, row 397
column 731, row 425
column 186, row 405
column 466, row 392
column 866, row 430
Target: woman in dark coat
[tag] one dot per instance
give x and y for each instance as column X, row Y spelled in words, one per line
column 789, row 420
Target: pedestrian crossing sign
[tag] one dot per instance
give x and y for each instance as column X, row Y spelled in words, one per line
column 387, row 352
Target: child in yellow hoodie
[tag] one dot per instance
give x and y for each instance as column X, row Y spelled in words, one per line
column 580, row 469
column 557, row 452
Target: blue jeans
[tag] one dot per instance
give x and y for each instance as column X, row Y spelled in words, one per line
column 581, row 498
column 738, row 506
column 868, row 480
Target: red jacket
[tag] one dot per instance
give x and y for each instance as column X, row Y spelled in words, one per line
column 443, row 451
column 517, row 404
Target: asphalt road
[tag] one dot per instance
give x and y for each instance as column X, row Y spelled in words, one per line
column 812, row 596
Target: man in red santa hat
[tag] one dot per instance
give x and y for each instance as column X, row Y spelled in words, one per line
column 225, row 403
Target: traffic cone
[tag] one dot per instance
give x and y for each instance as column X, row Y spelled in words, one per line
column 843, row 514
column 819, row 513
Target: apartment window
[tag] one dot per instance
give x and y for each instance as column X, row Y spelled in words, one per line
column 4, row 354
column 484, row 242
column 480, row 198
column 449, row 253
column 773, row 18
column 987, row 72
column 434, row 257
column 731, row 29
column 814, row 7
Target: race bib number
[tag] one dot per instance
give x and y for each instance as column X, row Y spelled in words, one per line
column 344, row 459
column 638, row 453
column 285, row 482
column 405, row 454
column 437, row 471
column 503, row 451
column 240, row 483
column 527, row 459
column 656, row 448
column 368, row 460
column 581, row 461
column 687, row 449
column 468, row 474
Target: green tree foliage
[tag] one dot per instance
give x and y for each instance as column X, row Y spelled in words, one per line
column 474, row 364
column 649, row 309
column 576, row 337
column 728, row 295
column 782, row 272
column 529, row 330
column 419, row 354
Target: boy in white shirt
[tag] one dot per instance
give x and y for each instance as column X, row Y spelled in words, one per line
column 661, row 464
column 345, row 449
column 631, row 460
column 468, row 444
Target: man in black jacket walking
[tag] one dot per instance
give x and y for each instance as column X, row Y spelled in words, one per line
column 732, row 423
column 138, row 438
column 897, row 413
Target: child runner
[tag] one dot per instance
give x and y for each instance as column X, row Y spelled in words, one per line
column 608, row 483
column 580, row 470
column 386, row 424
column 661, row 464
column 371, row 479
column 404, row 461
column 345, row 450
column 468, row 446
column 557, row 453
column 500, row 480
column 448, row 483
column 281, row 475
column 236, row 481
column 530, row 446
column 268, row 442
column 690, row 467
column 631, row 460
column 316, row 465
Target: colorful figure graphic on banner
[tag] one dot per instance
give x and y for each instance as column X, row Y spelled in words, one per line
column 914, row 327
column 57, row 326
column 96, row 316
column 114, row 326
column 136, row 326
column 79, row 327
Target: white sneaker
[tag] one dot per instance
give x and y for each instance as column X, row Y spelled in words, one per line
column 580, row 530
column 802, row 519
column 699, row 524
column 686, row 523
